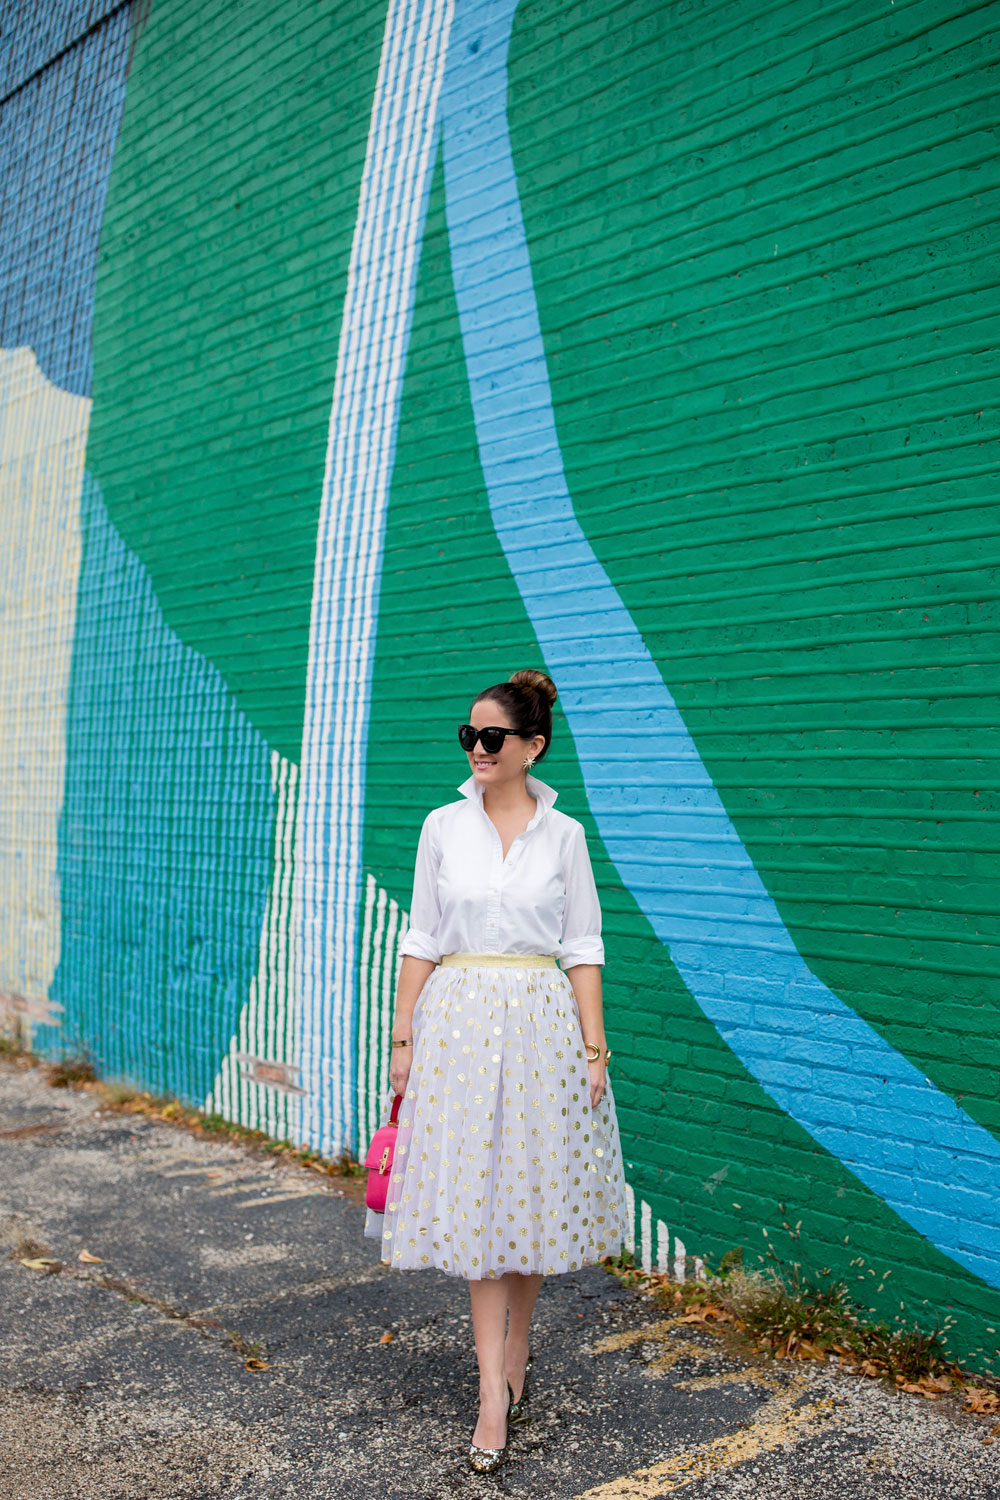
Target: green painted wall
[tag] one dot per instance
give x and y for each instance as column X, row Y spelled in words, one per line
column 763, row 255
column 223, row 263
column 760, row 255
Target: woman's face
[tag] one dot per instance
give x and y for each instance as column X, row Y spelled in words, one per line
column 507, row 763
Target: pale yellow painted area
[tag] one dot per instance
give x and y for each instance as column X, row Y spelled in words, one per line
column 751, row 1376
column 780, row 1422
column 43, row 434
column 674, row 1349
column 644, row 1335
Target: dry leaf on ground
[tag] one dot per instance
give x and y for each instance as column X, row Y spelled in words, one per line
column 939, row 1385
column 809, row 1350
column 978, row 1399
column 917, row 1388
column 386, row 1338
column 92, row 1260
column 707, row 1314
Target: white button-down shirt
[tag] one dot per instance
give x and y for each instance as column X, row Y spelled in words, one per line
column 468, row 899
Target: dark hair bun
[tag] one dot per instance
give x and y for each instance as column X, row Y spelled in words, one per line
column 538, row 681
column 527, row 698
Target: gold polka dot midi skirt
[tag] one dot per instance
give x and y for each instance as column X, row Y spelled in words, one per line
column 500, row 1163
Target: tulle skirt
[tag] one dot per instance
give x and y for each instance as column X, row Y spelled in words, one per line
column 500, row 1163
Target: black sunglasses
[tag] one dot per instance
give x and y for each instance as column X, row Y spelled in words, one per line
column 491, row 738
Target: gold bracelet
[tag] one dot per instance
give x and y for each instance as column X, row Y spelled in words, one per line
column 407, row 1043
column 597, row 1053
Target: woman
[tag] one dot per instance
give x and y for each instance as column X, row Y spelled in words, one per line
column 507, row 1163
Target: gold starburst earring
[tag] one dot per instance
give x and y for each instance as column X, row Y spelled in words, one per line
column 527, row 764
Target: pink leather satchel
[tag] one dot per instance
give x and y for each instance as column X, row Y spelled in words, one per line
column 379, row 1160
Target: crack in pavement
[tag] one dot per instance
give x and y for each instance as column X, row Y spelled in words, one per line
column 201, row 1322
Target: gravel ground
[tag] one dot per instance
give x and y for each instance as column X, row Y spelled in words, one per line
column 127, row 1376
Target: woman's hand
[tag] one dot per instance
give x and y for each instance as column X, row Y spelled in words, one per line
column 585, row 980
column 413, row 975
column 598, row 1080
column 399, row 1067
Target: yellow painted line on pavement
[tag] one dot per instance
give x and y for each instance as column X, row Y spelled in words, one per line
column 280, row 1198
column 644, row 1335
column 778, row 1424
column 681, row 1349
column 233, row 1187
column 751, row 1376
column 192, row 1171
column 210, row 1183
column 660, row 1333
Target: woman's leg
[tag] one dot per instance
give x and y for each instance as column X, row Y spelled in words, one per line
column 521, row 1298
column 489, row 1322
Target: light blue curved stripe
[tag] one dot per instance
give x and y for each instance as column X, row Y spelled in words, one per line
column 661, row 819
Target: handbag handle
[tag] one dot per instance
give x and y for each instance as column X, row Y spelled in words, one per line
column 393, row 1120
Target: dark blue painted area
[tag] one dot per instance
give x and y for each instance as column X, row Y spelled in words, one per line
column 165, row 838
column 32, row 32
column 57, row 140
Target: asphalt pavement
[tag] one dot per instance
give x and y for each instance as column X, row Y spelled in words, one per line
column 225, row 1335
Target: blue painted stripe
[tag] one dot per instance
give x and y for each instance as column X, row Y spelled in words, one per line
column 661, row 819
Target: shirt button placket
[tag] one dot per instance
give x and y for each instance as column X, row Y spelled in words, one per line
column 493, row 901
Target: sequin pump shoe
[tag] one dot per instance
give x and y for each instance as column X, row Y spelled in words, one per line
column 488, row 1460
column 519, row 1410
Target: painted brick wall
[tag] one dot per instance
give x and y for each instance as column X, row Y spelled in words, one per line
column 353, row 356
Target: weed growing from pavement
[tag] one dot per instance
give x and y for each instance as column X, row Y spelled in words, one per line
column 69, row 1072
column 781, row 1311
column 11, row 1042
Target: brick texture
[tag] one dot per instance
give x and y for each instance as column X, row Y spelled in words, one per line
column 762, row 252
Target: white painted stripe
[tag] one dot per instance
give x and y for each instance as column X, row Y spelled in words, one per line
column 389, row 304
column 388, row 986
column 364, row 1041
column 375, row 986
column 662, row 1248
column 630, row 1219
column 384, row 923
column 285, row 1046
column 348, row 558
column 263, row 1028
column 680, row 1260
column 360, row 450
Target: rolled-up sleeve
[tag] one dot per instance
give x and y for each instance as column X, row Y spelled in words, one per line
column 581, row 927
column 420, row 939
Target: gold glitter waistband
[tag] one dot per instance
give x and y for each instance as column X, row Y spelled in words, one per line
column 498, row 961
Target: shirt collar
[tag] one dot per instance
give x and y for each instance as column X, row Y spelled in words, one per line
column 544, row 795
